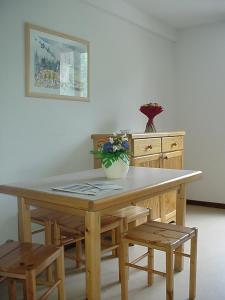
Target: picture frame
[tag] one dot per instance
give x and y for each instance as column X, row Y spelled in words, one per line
column 56, row 65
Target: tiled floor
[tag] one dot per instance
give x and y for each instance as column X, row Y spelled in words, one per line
column 211, row 267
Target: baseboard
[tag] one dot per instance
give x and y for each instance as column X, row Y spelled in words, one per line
column 206, row 204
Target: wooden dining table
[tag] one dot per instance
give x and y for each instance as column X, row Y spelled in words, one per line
column 140, row 184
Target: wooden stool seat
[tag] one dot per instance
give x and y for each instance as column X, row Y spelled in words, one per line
column 161, row 234
column 163, row 237
column 26, row 261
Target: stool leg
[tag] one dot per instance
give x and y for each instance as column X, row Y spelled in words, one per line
column 149, row 217
column 119, row 231
column 169, row 274
column 60, row 275
column 56, row 234
column 12, row 289
column 30, row 285
column 48, row 232
column 114, row 251
column 48, row 241
column 150, row 266
column 124, row 269
column 132, row 224
column 78, row 253
column 193, row 267
column 24, row 290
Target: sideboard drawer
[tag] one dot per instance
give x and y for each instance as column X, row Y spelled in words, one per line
column 172, row 143
column 146, row 146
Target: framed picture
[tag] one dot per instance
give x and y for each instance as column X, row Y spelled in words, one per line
column 56, row 65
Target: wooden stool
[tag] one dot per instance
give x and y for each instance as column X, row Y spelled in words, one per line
column 46, row 218
column 71, row 229
column 163, row 237
column 25, row 261
column 64, row 229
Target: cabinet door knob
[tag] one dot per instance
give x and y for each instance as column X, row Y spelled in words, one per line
column 165, row 157
column 174, row 145
column 149, row 147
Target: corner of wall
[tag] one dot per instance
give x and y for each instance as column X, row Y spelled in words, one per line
column 132, row 15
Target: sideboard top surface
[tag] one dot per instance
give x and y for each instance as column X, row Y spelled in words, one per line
column 142, row 135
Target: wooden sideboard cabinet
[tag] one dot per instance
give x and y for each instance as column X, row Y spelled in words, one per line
column 154, row 150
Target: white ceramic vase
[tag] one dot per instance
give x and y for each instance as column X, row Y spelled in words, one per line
column 118, row 169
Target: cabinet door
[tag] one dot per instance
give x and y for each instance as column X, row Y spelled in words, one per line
column 168, row 206
column 170, row 160
column 150, row 161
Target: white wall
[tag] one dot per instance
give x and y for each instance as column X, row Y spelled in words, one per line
column 200, row 85
column 40, row 137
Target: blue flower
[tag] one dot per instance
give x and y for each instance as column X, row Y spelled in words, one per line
column 125, row 145
column 108, row 147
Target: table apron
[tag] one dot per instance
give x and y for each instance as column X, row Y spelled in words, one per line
column 58, row 207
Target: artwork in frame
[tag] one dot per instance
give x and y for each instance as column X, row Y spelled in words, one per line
column 56, row 65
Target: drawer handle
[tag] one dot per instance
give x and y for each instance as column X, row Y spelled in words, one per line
column 149, row 147
column 173, row 145
column 165, row 157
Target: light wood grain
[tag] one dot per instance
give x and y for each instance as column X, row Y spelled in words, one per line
column 25, row 261
column 193, row 266
column 92, row 254
column 154, row 203
column 142, row 147
column 60, row 275
column 170, row 160
column 150, row 266
column 141, row 135
column 180, row 219
column 124, row 269
column 130, row 214
column 172, row 143
column 146, row 146
column 168, row 206
column 164, row 237
column 141, row 184
column 160, row 234
column 149, row 161
column 24, row 220
column 169, row 275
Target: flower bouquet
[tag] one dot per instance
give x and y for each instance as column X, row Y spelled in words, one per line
column 151, row 110
column 114, row 156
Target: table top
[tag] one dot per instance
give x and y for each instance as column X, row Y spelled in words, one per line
column 140, row 182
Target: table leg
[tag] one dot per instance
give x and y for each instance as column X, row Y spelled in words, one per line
column 92, row 254
column 24, row 221
column 180, row 220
